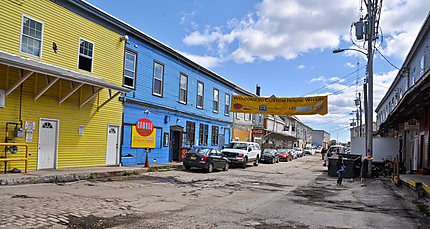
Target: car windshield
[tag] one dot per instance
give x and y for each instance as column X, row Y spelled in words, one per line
column 298, row 149
column 272, row 151
column 200, row 150
column 308, row 147
column 282, row 150
column 334, row 150
column 237, row 145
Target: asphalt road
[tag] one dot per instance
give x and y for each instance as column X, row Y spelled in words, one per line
column 296, row 194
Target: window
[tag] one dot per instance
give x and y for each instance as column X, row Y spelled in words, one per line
column 183, row 88
column 31, row 36
column 216, row 101
column 166, row 139
column 215, row 133
column 413, row 76
column 191, row 130
column 200, row 93
column 422, row 66
column 227, row 105
column 85, row 58
column 247, row 116
column 129, row 69
column 157, row 83
column 203, row 134
column 293, row 126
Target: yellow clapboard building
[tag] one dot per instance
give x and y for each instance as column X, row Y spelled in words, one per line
column 61, row 74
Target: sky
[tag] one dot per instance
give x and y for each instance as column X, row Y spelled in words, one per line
column 285, row 46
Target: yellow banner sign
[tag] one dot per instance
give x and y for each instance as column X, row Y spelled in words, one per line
column 139, row 141
column 279, row 106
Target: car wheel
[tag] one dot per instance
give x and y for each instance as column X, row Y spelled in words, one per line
column 187, row 167
column 272, row 161
column 245, row 161
column 226, row 166
column 256, row 162
column 210, row 168
column 279, row 160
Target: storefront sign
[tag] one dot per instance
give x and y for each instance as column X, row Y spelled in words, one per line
column 257, row 131
column 30, row 125
column 144, row 127
column 279, row 106
column 143, row 134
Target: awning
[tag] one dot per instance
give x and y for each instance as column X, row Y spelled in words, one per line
column 413, row 101
column 280, row 136
column 54, row 73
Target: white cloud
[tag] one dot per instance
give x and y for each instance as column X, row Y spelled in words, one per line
column 289, row 28
column 280, row 28
column 301, row 66
column 321, row 78
column 349, row 65
column 206, row 61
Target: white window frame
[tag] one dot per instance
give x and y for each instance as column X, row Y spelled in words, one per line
column 184, row 89
column 79, row 54
column 162, row 80
column 202, row 95
column 215, row 99
column 227, row 105
column 134, row 69
column 22, row 30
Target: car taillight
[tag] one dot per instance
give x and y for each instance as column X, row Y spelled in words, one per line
column 204, row 158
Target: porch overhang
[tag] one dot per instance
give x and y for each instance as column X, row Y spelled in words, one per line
column 28, row 66
column 415, row 99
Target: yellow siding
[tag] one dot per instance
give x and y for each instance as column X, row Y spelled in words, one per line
column 64, row 28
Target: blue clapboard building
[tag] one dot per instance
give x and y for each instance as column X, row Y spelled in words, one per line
column 187, row 104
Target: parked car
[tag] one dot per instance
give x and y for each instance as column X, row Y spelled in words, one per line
column 205, row 158
column 333, row 151
column 309, row 150
column 294, row 153
column 285, row 155
column 299, row 152
column 318, row 150
column 270, row 156
column 242, row 153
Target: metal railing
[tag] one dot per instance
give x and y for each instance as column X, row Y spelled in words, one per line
column 17, row 159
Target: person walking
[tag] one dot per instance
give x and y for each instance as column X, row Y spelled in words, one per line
column 365, row 170
column 340, row 169
column 323, row 152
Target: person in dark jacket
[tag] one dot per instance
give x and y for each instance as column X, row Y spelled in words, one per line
column 340, row 169
column 365, row 170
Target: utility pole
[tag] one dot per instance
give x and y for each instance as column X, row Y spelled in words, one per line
column 361, row 117
column 370, row 36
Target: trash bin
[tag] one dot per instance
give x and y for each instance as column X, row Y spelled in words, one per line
column 352, row 164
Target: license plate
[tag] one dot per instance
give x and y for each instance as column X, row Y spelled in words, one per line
column 193, row 158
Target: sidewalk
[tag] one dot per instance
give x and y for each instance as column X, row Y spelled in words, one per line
column 68, row 175
column 417, row 182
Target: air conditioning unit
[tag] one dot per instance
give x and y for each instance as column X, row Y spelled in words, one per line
column 2, row 98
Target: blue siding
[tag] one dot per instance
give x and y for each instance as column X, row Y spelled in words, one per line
column 162, row 118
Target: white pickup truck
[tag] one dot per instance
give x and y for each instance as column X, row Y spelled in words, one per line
column 242, row 153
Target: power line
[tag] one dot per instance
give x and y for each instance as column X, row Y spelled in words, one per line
column 387, row 59
column 326, row 86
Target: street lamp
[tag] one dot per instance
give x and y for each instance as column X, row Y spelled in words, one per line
column 368, row 98
column 341, row 50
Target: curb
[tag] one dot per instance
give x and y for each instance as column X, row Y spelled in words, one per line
column 70, row 177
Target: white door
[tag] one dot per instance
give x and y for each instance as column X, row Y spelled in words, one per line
column 415, row 159
column 112, row 151
column 48, row 142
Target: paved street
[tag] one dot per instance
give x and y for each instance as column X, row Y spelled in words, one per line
column 295, row 194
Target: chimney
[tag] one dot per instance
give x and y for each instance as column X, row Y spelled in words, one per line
column 258, row 89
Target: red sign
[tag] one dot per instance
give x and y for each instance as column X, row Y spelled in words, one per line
column 257, row 131
column 144, row 127
column 183, row 152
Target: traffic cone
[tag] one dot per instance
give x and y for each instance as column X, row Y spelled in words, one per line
column 147, row 161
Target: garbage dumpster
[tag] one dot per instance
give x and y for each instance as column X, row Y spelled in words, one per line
column 352, row 164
